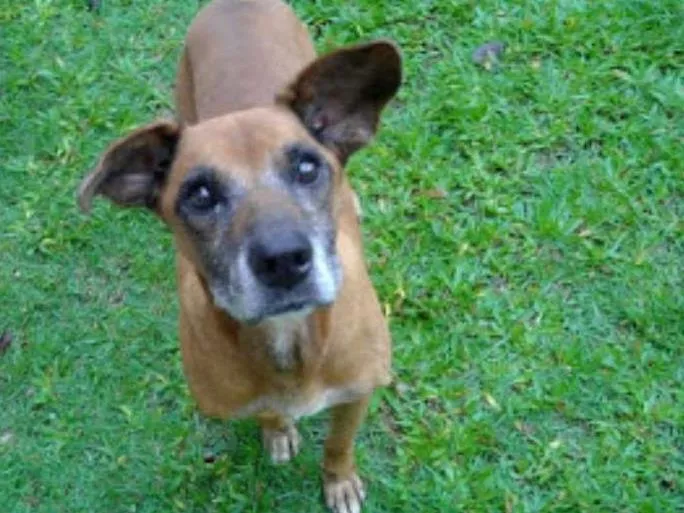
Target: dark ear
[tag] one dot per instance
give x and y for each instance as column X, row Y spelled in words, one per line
column 133, row 169
column 339, row 96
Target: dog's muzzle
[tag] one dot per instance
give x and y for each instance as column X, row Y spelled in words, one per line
column 281, row 267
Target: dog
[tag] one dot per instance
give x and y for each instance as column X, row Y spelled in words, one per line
column 278, row 316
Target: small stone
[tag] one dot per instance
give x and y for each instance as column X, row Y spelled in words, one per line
column 489, row 54
column 401, row 388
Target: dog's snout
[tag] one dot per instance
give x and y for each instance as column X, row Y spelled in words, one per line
column 281, row 259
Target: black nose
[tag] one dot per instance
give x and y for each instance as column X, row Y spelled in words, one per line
column 280, row 259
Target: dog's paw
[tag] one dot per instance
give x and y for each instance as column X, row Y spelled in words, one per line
column 344, row 495
column 281, row 444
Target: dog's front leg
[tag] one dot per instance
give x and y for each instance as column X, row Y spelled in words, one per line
column 344, row 490
column 280, row 437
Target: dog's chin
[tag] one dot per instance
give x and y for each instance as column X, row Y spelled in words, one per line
column 293, row 308
column 286, row 309
column 292, row 311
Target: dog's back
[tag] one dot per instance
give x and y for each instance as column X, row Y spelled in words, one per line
column 250, row 50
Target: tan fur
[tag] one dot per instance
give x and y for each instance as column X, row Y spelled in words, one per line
column 217, row 72
column 240, row 55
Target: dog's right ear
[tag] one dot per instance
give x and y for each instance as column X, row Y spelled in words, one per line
column 133, row 170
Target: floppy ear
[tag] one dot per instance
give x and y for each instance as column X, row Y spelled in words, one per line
column 133, row 169
column 339, row 96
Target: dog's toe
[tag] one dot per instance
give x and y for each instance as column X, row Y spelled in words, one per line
column 344, row 495
column 282, row 444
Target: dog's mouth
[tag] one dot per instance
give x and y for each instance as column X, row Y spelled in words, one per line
column 286, row 308
column 300, row 308
column 265, row 305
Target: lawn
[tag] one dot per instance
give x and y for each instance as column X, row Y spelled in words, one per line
column 525, row 229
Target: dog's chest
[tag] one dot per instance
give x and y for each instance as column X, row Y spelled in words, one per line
column 296, row 404
column 285, row 337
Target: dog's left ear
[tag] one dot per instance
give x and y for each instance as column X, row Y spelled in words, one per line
column 339, row 97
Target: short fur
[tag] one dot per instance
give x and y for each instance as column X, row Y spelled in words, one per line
column 249, row 87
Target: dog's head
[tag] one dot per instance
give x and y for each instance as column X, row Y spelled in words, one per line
column 252, row 196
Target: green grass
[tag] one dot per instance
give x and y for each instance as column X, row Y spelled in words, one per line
column 524, row 228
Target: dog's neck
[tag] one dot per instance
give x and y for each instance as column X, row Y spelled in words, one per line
column 290, row 343
column 284, row 337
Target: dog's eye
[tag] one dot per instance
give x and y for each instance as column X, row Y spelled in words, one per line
column 201, row 199
column 202, row 195
column 307, row 169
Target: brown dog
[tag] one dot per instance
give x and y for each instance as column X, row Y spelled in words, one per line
column 278, row 317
